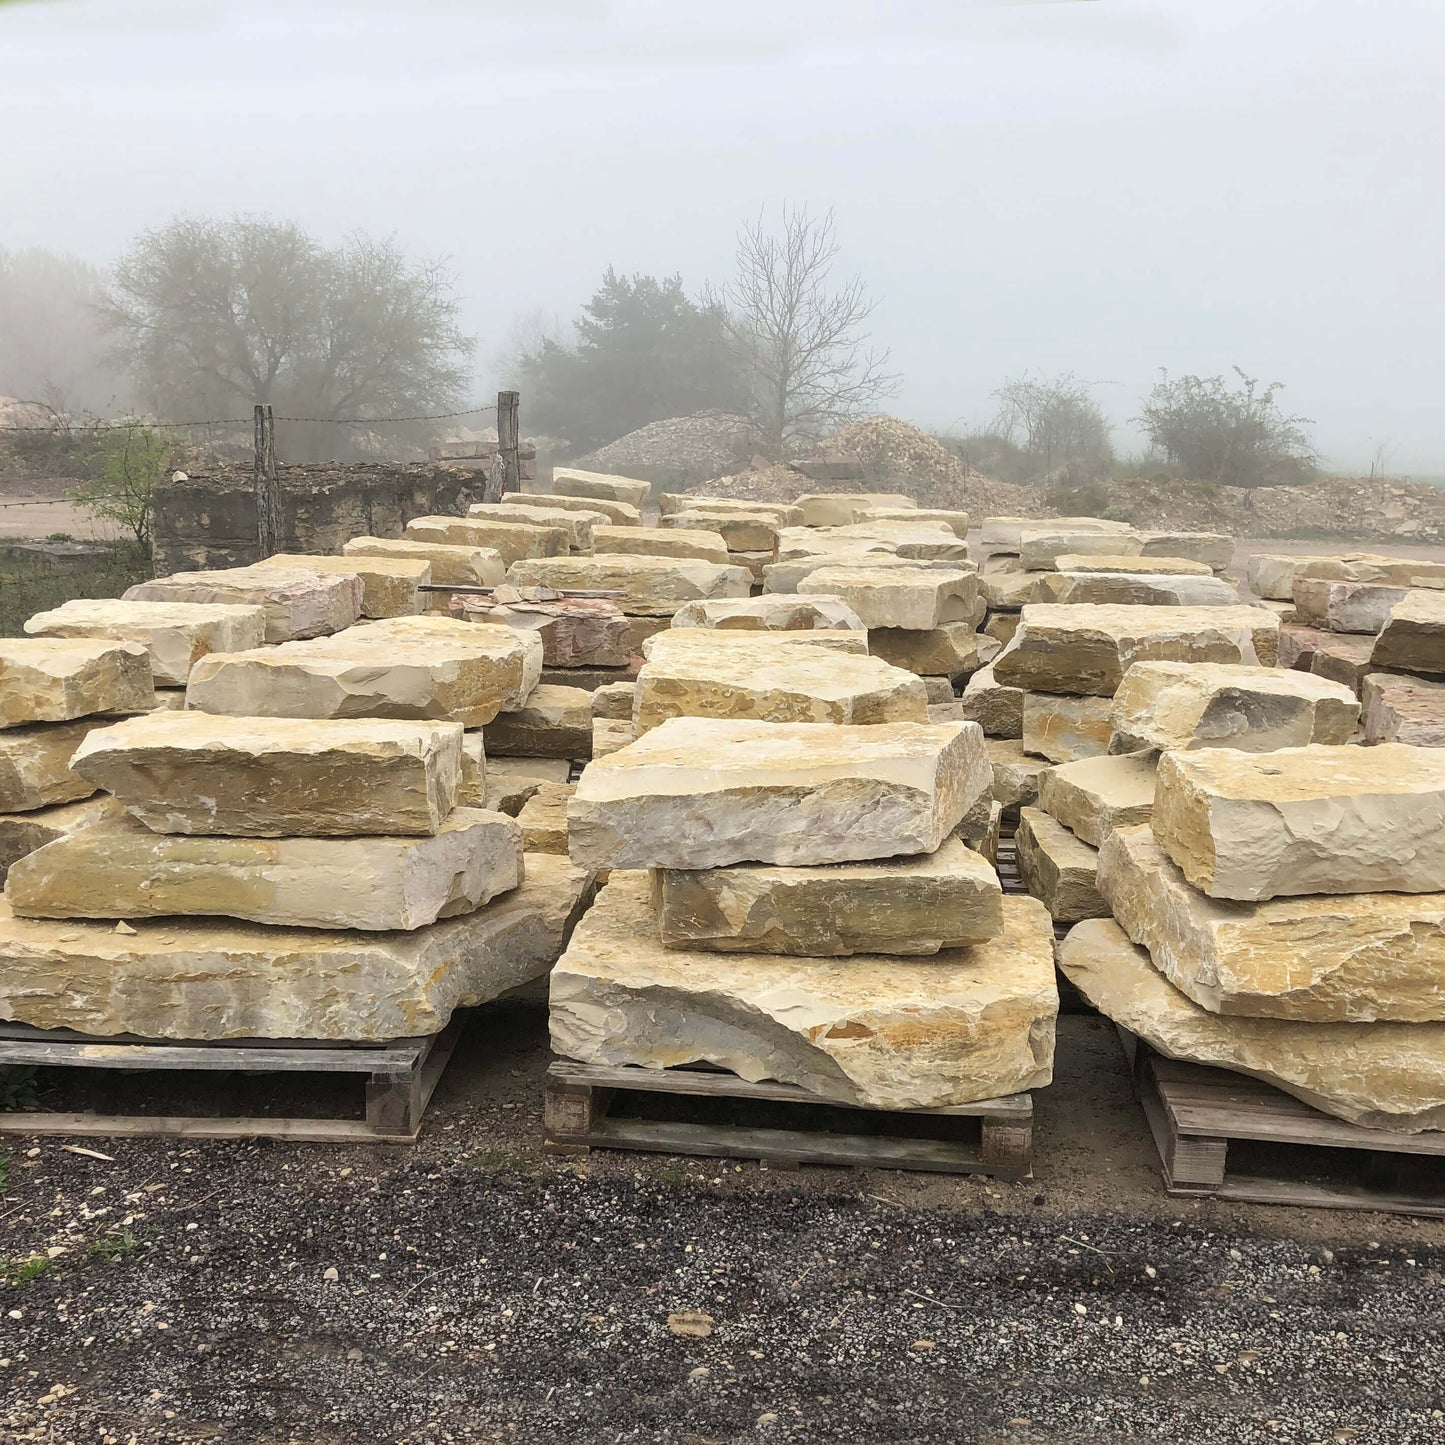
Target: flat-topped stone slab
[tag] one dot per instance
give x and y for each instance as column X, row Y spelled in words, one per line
column 189, row 772
column 35, row 767
column 951, row 650
column 1141, row 565
column 512, row 542
column 1344, row 606
column 1087, row 649
column 1094, row 796
column 1251, row 826
column 604, row 486
column 575, row 632
column 704, row 544
column 451, row 564
column 878, row 1031
column 1016, row 773
column 618, row 514
column 300, row 603
column 1383, row 1076
column 553, row 722
column 23, row 833
column 649, row 586
column 580, row 526
column 1134, row 589
column 1057, row 868
column 792, row 575
column 1214, row 549
column 997, row 709
column 174, row 634
column 56, row 679
column 1005, row 534
column 1356, row 956
column 918, row 599
column 838, row 509
column 1214, row 705
column 703, row 793
column 1373, row 567
column 388, row 584
column 955, row 521
column 922, row 541
column 1271, row 575
column 742, row 531
column 1041, row 544
column 777, row 612
column 1413, row 638
column 1400, row 709
column 544, row 818
column 1064, row 729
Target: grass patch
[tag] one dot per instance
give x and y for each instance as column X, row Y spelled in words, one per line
column 113, row 1244
column 34, row 581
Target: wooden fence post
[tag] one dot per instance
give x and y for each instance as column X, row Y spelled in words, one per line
column 267, row 483
column 509, row 441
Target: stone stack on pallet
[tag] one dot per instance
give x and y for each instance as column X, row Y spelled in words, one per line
column 1283, row 916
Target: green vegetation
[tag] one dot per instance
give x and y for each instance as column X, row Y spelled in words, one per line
column 129, row 459
column 112, row 1244
column 33, row 581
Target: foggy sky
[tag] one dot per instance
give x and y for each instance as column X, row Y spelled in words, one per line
column 1103, row 187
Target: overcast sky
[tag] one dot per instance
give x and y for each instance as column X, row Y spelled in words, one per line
column 1105, row 187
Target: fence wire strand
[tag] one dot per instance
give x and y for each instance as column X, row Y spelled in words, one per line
column 59, row 426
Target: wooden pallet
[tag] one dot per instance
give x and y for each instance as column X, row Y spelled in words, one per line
column 400, row 1079
column 1226, row 1134
column 591, row 1106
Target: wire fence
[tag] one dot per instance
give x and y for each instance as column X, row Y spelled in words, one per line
column 60, row 425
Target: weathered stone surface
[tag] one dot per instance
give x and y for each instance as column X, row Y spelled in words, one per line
column 451, row 564
column 1272, row 575
column 1005, row 534
column 1007, row 591
column 704, row 793
column 1214, row 549
column 678, row 644
column 23, row 833
column 982, row 828
column 640, row 632
column 56, row 679
column 614, row 701
column 120, row 869
column 915, row 905
column 916, row 541
column 1016, row 774
column 1058, row 868
column 303, row 603
column 1042, row 544
column 1250, row 826
column 1297, row 645
column 35, row 765
column 1404, row 710
column 1370, row 567
column 388, row 584
column 174, row 634
column 572, row 482
column 1087, row 649
column 756, row 563
column 838, row 509
column 786, row 514
column 544, row 818
column 1094, row 796
column 472, row 786
column 772, row 612
column 883, row 1032
column 705, row 544
column 1384, row 1076
column 953, row 649
column 796, row 544
column 405, row 667
column 1145, row 565
column 1064, row 729
column 611, row 735
column 1343, row 658
column 940, row 690
column 1001, row 626
column 997, row 709
column 1134, row 589
column 913, row 598
column 618, row 514
column 512, row 543
column 554, row 722
column 1210, row 705
column 743, row 532
column 650, row 586
column 1357, row 956
column 189, row 772
column 746, row 675
column 593, row 678
column 1344, row 606
column 176, row 978
column 956, row 522
column 792, row 575
column 579, row 525
column 1413, row 639
column 574, row 631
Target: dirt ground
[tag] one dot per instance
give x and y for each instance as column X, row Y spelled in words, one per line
column 34, row 508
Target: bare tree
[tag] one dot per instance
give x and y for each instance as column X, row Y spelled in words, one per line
column 800, row 340
column 1056, row 422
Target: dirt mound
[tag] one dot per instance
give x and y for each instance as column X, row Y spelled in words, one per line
column 679, row 451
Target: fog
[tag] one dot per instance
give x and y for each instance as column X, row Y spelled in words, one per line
column 1103, row 188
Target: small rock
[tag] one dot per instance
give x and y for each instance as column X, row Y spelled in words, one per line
column 923, row 1346
column 121, row 926
column 691, row 1324
column 331, row 1275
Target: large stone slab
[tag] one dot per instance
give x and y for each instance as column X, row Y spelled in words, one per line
column 613, row 701
column 1141, row 565
column 796, row 544
column 512, row 543
column 1356, row 956
column 1371, row 567
column 955, row 521
column 544, row 818
column 1016, row 774
column 1214, row 549
column 1134, row 589
column 1005, row 592
column 605, row 486
column 1250, row 826
column 916, row 599
column 1413, row 639
column 883, row 1032
column 747, row 675
column 1094, row 796
column 1401, row 709
column 772, row 612
column 56, row 679
column 704, row 793
column 1058, row 868
column 1271, row 575
column 1005, row 534
column 301, row 603
column 120, row 869
column 679, row 644
column 618, row 514
column 179, row 978
column 916, row 905
column 451, row 564
column 839, row 509
column 35, row 767
column 405, row 667
column 792, row 575
column 1384, row 1076
column 997, row 709
column 1087, row 649
column 189, row 772
column 916, row 541
column 553, row 722
column 1064, row 729
column 174, row 634
column 1042, row 544
column 743, row 532
column 953, row 649
column 23, row 833
column 575, row 632
column 579, row 526
column 388, row 584
column 1343, row 658
column 1344, row 606
column 649, row 586
column 705, row 544
column 785, row 514
column 1210, row 705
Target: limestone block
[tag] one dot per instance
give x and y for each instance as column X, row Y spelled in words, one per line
column 1065, row 729
column 1213, row 705
column 1384, row 1076
column 950, row 711
column 747, row 675
column 1058, row 868
column 1006, row 533
column 1095, row 796
column 35, row 765
column 1344, row 658
column 982, row 828
column 554, row 722
column 838, row 509
column 638, row 635
column 544, row 818
column 404, row 667
column 509, row 793
column 956, row 522
column 705, row 544
column 792, row 575
column 572, row 482
column 911, row 598
column 610, row 735
column 618, row 514
column 997, row 709
column 917, row 541
column 120, row 869
column 917, row 905
column 1212, row 548
column 704, row 793
column 882, row 1032
column 1007, row 591
column 1369, row 567
column 1272, row 575
column 741, row 531
column 1413, row 639
column 573, row 631
column 174, row 634
column 513, row 543
column 756, row 563
column 795, row 544
column 1357, row 956
column 1016, row 774
column 170, row 699
column 23, row 833
column 940, row 690
column 56, row 679
column 1297, row 645
column 1144, row 564
column 613, row 701
column 301, row 603
column 650, row 586
column 785, row 514
column 593, row 678
column 546, row 770
column 1404, row 710
column 189, row 772
column 953, row 649
column 1042, row 544
column 178, row 978
column 690, row 644
column 579, row 525
column 472, row 785
column 388, row 584
column 1134, row 589
column 451, row 564
column 772, row 612
column 1001, row 626
column 1250, row 826
column 1344, row 606
column 1084, row 649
